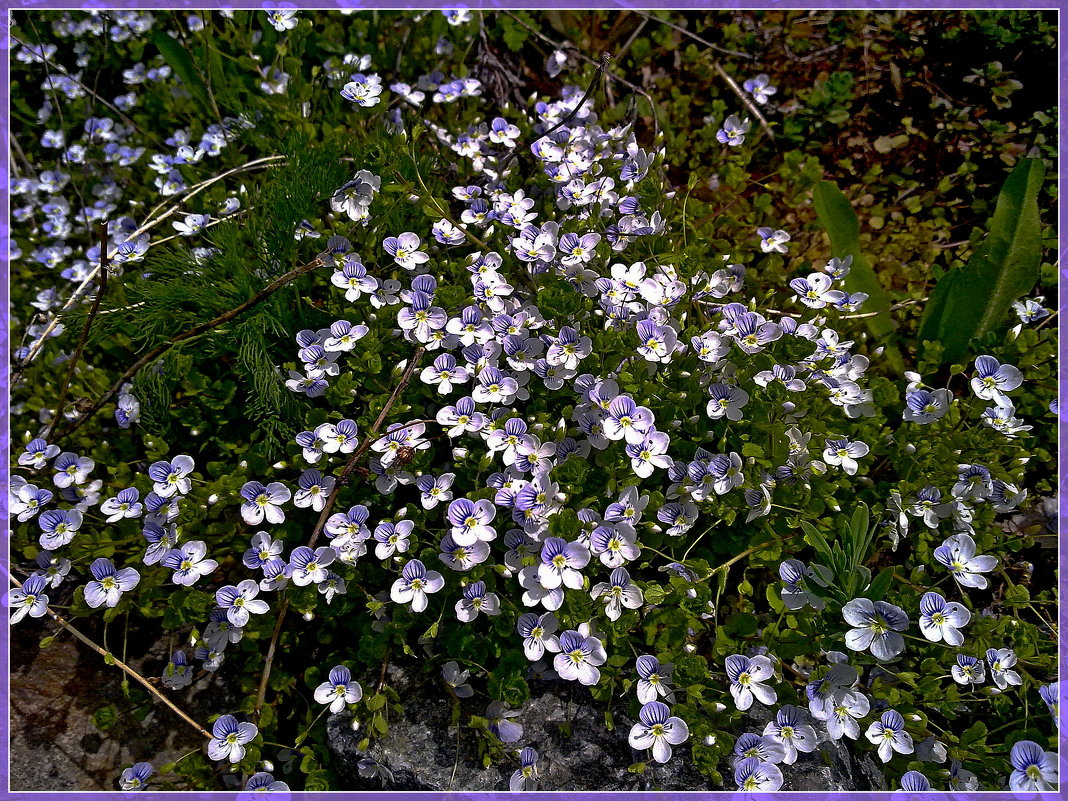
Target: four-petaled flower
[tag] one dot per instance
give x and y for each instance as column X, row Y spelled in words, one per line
column 229, row 739
column 958, row 554
column 579, row 656
column 888, row 733
column 993, row 379
column 1034, row 768
column 875, row 626
column 338, row 690
column 240, row 601
column 941, row 620
column 172, row 477
column 264, row 502
column 659, row 730
column 414, row 585
column 189, row 562
column 30, row 600
column 109, row 584
column 746, row 676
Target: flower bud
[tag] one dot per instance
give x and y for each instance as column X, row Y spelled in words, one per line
column 213, row 499
column 710, row 739
column 910, row 448
column 355, row 724
column 309, row 617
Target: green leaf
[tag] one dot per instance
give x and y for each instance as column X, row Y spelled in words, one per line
column 877, row 589
column 105, row 718
column 179, row 60
column 970, row 301
column 838, row 219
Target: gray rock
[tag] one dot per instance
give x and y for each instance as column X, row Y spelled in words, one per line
column 55, row 692
column 424, row 751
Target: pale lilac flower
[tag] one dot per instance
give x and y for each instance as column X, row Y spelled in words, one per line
column 538, row 634
column 171, row 477
column 405, row 250
column 618, row 593
column 414, row 584
column 230, row 738
column 968, row 670
column 315, row 488
column 650, row 453
column 30, row 600
column 239, row 602
column 498, row 714
column 338, row 690
column 561, row 562
column 627, row 420
column 264, row 502
column 654, row 680
column 760, row 88
column 122, row 505
column 189, row 562
column 470, row 521
column 525, row 778
column 1034, row 768
column 773, row 241
column 659, row 730
column 72, row 469
column 754, row 776
column 579, row 656
column 915, row 782
column 136, row 777
column 476, row 600
column 1001, row 661
column 614, row 544
column 727, row 401
column 941, row 621
column 109, row 584
column 790, row 730
column 875, row 626
column 993, row 379
column 37, row 454
column 923, row 406
column 308, row 566
column 844, row 453
column 888, row 733
column 957, row 553
column 746, row 676
column 392, row 538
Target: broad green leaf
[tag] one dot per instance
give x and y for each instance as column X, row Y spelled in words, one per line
column 971, row 300
column 179, row 60
column 838, row 219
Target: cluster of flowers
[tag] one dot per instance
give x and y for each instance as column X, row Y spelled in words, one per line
column 495, row 353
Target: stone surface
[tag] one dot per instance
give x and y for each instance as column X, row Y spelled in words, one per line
column 424, row 751
column 55, row 692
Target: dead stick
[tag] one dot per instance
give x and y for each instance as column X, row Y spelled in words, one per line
column 129, row 671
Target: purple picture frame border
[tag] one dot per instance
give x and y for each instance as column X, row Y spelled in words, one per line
column 5, row 433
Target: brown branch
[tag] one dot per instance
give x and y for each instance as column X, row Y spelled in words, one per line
column 195, row 331
column 85, row 331
column 129, row 671
column 343, row 479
